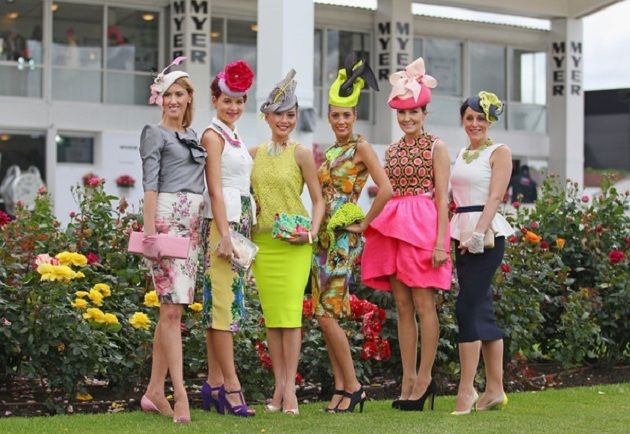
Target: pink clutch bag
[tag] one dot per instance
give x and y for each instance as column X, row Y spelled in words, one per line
column 167, row 246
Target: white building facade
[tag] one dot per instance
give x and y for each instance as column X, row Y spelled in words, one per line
column 74, row 75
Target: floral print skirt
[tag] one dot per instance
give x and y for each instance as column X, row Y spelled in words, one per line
column 224, row 284
column 178, row 214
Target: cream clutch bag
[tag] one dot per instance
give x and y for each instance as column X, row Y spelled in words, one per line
column 488, row 238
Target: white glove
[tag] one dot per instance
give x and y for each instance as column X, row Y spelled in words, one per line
column 475, row 243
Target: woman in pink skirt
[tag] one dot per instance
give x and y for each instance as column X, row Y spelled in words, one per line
column 407, row 245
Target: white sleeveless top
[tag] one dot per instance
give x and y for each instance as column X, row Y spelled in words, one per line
column 470, row 184
column 236, row 170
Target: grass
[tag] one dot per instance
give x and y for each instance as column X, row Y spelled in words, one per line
column 601, row 409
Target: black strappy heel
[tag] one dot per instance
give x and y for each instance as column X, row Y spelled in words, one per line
column 357, row 397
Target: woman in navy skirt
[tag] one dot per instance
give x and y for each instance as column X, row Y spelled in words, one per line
column 480, row 177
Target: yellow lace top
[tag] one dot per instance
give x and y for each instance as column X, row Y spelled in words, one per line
column 277, row 182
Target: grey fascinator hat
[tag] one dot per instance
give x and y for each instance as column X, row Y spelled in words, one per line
column 282, row 97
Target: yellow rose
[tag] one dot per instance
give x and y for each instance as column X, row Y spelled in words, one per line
column 94, row 314
column 46, row 271
column 140, row 320
column 103, row 288
column 110, row 318
column 79, row 275
column 81, row 294
column 65, row 258
column 79, row 303
column 96, row 297
column 63, row 272
column 196, row 307
column 151, row 299
column 78, row 259
column 560, row 243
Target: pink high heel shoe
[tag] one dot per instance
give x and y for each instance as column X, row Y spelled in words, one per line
column 148, row 406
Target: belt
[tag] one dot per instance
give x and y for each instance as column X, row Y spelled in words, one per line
column 472, row 208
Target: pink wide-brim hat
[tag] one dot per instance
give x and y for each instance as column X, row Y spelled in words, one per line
column 411, row 87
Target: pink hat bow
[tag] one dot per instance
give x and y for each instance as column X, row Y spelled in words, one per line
column 410, row 80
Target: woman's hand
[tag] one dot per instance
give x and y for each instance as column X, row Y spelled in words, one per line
column 439, row 258
column 474, row 244
column 301, row 238
column 149, row 247
column 356, row 228
column 225, row 249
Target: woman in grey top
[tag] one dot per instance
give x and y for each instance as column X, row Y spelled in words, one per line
column 173, row 178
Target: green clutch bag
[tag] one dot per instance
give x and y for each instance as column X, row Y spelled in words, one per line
column 288, row 226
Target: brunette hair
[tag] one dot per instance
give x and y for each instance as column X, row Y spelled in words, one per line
column 216, row 92
column 463, row 107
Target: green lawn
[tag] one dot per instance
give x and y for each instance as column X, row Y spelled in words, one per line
column 599, row 409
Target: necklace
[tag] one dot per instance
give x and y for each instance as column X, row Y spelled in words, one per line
column 232, row 141
column 276, row 148
column 471, row 155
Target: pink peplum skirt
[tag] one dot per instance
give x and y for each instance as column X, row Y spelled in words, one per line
column 399, row 243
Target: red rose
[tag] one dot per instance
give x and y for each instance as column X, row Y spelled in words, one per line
column 513, row 239
column 452, row 206
column 616, row 256
column 239, row 76
column 524, row 231
column 369, row 350
column 516, row 204
column 599, row 228
column 384, row 350
column 372, row 190
column 307, row 308
column 505, row 268
column 544, row 245
column 4, row 218
column 534, row 225
column 92, row 258
column 298, row 378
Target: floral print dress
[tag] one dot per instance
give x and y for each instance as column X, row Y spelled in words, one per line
column 342, row 182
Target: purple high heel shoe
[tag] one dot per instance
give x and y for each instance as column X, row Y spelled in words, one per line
column 211, row 398
column 241, row 410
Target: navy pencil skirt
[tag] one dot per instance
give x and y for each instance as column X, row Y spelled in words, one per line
column 474, row 311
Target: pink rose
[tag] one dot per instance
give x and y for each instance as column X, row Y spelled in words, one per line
column 585, row 198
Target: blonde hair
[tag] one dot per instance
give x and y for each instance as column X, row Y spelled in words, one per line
column 188, row 87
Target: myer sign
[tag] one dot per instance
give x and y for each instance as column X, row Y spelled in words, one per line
column 190, row 24
column 566, row 70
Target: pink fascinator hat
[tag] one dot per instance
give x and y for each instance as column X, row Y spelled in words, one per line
column 411, row 87
column 164, row 80
column 236, row 79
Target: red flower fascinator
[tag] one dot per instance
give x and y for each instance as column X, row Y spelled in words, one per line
column 236, row 79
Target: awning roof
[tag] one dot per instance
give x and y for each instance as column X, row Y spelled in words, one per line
column 546, row 9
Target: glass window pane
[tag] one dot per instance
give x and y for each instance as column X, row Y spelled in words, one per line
column 443, row 60
column 317, row 58
column 217, row 49
column 21, row 30
column 528, row 117
column 24, row 81
column 76, row 85
column 487, row 69
column 126, row 88
column 132, row 39
column 528, row 77
column 241, row 44
column 443, row 110
column 417, row 48
column 75, row 149
column 77, row 36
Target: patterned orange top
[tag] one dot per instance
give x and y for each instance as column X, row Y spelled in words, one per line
column 410, row 167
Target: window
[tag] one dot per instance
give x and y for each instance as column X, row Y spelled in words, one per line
column 528, row 90
column 21, row 53
column 132, row 53
column 115, row 69
column 77, row 52
column 487, row 71
column 443, row 60
column 339, row 43
column 75, row 149
column 233, row 40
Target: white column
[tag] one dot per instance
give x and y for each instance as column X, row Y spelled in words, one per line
column 285, row 41
column 393, row 30
column 565, row 96
column 190, row 29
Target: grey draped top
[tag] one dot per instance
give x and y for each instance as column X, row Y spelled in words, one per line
column 171, row 161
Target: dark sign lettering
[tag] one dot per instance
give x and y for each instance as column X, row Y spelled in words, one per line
column 564, row 69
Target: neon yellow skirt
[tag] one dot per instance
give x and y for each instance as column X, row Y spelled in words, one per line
column 281, row 271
